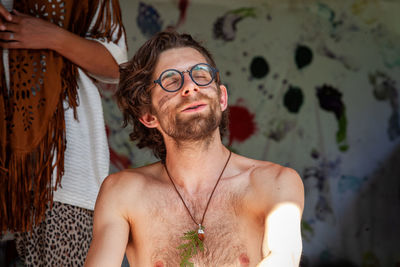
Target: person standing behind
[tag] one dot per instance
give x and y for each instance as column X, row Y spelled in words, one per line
column 53, row 146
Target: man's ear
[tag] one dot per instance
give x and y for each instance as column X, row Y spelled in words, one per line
column 223, row 100
column 149, row 120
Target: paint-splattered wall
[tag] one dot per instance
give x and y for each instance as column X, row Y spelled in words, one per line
column 313, row 86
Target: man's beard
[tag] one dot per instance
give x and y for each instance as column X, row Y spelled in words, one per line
column 193, row 127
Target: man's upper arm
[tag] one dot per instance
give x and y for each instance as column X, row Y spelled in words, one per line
column 110, row 228
column 282, row 243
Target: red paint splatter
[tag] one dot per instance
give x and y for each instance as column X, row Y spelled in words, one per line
column 183, row 5
column 241, row 123
column 119, row 161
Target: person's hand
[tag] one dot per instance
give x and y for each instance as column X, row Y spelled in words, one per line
column 25, row 31
column 5, row 16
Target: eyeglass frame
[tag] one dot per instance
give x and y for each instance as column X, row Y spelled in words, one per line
column 181, row 73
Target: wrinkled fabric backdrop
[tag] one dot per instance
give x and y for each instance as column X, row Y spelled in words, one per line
column 313, row 85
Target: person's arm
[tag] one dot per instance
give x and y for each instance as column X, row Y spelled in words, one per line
column 110, row 227
column 282, row 245
column 28, row 32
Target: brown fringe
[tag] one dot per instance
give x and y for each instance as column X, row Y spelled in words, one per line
column 26, row 179
column 30, row 173
column 105, row 28
column 3, row 147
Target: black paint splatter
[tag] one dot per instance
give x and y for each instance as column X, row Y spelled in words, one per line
column 315, row 154
column 330, row 99
column 303, row 56
column 293, row 99
column 259, row 67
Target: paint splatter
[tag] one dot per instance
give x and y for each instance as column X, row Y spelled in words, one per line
column 241, row 123
column 328, row 13
column 330, row 99
column 259, row 67
column 359, row 8
column 183, row 6
column 303, row 56
column 370, row 259
column 307, row 232
column 315, row 154
column 119, row 161
column 225, row 26
column 385, row 90
column 323, row 209
column 278, row 129
column 390, row 52
column 293, row 99
column 320, row 173
column 317, row 173
column 261, row 88
column 148, row 20
column 325, row 51
column 350, row 183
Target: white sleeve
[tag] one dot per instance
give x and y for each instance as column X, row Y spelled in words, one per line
column 117, row 50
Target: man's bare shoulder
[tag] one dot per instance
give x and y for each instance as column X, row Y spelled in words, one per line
column 262, row 170
column 272, row 179
column 130, row 182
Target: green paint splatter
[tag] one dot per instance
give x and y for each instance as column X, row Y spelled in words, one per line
column 306, row 231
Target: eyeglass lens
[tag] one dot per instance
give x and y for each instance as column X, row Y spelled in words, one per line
column 201, row 74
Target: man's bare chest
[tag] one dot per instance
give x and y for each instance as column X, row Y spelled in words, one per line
column 161, row 231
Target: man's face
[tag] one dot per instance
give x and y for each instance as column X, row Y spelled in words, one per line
column 193, row 112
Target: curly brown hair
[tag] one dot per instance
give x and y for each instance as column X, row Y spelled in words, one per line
column 134, row 94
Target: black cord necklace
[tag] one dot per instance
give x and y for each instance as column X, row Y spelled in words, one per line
column 195, row 240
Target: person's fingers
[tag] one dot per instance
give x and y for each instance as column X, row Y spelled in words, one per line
column 7, row 36
column 4, row 13
column 10, row 45
column 19, row 14
column 2, row 25
column 11, row 27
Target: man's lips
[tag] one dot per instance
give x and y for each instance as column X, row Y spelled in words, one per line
column 196, row 106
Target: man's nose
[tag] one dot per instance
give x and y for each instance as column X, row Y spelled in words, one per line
column 189, row 86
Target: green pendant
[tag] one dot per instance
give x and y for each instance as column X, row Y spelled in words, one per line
column 194, row 242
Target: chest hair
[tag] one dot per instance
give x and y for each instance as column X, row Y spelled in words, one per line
column 170, row 220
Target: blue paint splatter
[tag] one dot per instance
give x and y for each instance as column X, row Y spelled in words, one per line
column 350, row 183
column 148, row 20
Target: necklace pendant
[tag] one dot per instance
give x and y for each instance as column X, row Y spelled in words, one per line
column 200, row 233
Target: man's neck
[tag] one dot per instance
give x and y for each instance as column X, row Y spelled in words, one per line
column 196, row 166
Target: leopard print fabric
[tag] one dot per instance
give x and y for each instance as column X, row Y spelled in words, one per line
column 63, row 239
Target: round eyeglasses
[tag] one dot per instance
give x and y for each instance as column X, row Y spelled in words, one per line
column 202, row 74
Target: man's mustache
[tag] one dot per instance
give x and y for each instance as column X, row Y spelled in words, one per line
column 187, row 101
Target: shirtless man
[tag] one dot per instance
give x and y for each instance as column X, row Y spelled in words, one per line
column 250, row 211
